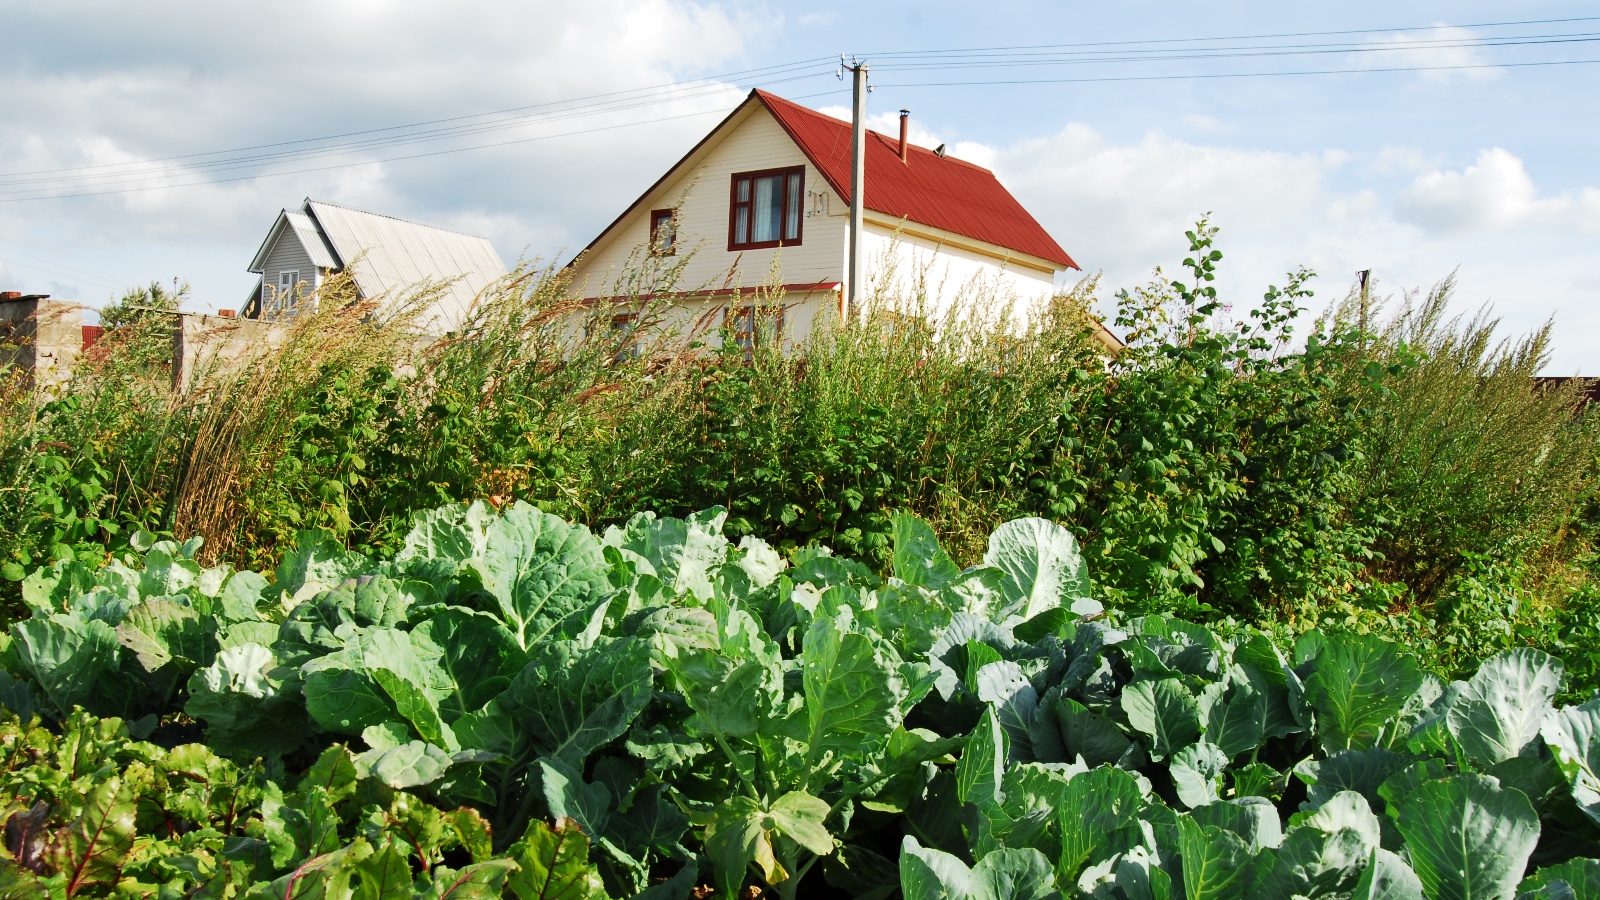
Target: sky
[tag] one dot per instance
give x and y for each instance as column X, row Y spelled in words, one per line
column 1427, row 144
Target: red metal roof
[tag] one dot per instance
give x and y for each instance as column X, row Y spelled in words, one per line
column 928, row 189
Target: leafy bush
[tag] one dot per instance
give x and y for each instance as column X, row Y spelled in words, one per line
column 1260, row 471
column 512, row 705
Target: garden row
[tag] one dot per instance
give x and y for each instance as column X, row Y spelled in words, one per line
column 513, row 706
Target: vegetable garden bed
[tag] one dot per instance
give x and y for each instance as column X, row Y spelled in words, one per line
column 515, row 707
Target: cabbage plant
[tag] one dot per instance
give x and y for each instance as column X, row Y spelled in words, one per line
column 515, row 705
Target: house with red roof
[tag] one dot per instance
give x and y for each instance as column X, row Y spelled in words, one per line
column 765, row 198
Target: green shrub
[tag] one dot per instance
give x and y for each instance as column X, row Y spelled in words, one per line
column 1216, row 469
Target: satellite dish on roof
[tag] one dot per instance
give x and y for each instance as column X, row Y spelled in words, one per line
column 939, row 151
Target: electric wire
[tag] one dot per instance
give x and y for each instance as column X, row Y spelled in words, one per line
column 51, row 262
column 181, row 170
column 618, row 99
column 778, row 68
column 997, row 60
column 61, row 271
column 128, row 190
column 236, row 162
column 1241, row 37
column 1214, row 75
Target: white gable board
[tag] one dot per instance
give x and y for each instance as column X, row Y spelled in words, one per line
column 702, row 186
column 389, row 256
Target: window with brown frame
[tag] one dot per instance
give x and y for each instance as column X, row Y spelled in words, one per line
column 765, row 208
column 663, row 232
column 625, row 332
column 753, row 324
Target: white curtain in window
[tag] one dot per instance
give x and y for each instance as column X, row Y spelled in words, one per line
column 768, row 208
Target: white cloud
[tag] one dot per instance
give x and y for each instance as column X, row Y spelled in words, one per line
column 1204, row 124
column 1392, row 160
column 1118, row 207
column 1446, row 53
column 1122, row 208
column 90, row 83
column 1494, row 193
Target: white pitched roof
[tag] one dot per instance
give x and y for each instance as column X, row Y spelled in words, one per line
column 389, row 255
column 305, row 230
column 320, row 253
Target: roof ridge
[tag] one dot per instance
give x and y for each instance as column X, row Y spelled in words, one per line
column 366, row 212
column 893, row 140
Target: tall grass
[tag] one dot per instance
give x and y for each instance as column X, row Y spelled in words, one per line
column 1213, row 469
column 1467, row 452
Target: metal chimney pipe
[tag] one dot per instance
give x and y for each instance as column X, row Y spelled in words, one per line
column 905, row 114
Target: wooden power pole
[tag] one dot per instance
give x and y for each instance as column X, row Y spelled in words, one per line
column 858, row 179
column 1364, row 275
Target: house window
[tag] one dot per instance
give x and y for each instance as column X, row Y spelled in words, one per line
column 755, row 324
column 663, row 232
column 765, row 208
column 625, row 332
column 288, row 295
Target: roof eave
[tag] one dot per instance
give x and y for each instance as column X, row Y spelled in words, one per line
column 322, row 233
column 258, row 263
column 633, row 207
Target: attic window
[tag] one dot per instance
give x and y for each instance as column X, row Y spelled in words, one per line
column 289, row 289
column 663, row 232
column 764, row 210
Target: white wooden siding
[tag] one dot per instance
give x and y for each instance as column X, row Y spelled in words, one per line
column 287, row 254
column 900, row 266
column 920, row 272
column 701, row 193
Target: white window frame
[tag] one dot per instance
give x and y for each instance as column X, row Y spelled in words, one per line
column 288, row 293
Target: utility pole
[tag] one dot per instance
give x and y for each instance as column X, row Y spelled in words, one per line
column 858, row 180
column 1364, row 275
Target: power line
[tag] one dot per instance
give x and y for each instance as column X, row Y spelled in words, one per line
column 1237, row 37
column 1000, row 60
column 116, row 178
column 1202, row 76
column 718, row 111
column 233, row 163
column 112, row 282
column 631, row 98
column 60, row 274
column 777, row 68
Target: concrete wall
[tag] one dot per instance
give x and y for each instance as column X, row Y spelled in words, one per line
column 43, row 337
column 202, row 342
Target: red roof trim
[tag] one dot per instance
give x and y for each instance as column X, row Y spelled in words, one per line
column 797, row 288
